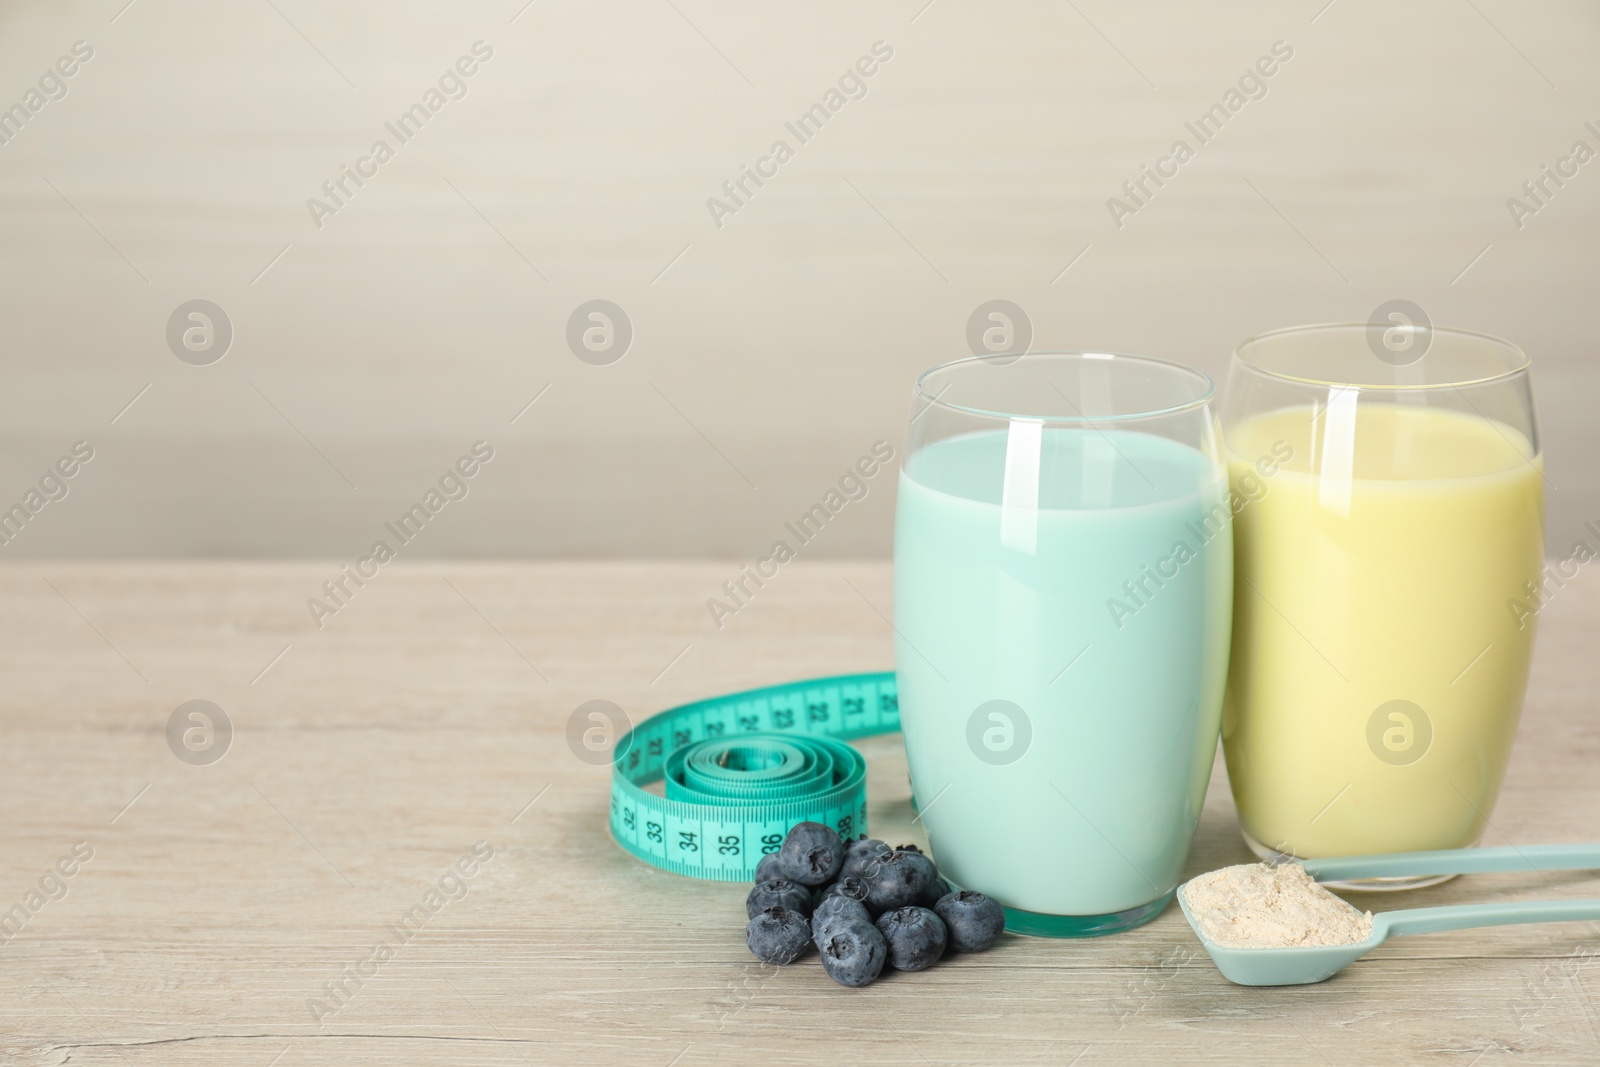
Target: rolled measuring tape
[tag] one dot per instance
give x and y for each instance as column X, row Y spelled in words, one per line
column 740, row 770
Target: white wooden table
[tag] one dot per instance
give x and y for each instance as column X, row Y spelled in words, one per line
column 221, row 900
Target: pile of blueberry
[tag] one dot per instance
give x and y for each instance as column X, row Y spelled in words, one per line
column 864, row 905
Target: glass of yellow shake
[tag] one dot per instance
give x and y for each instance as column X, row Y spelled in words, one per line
column 1389, row 520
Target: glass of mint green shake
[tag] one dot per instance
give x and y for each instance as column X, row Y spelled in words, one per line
column 1063, row 575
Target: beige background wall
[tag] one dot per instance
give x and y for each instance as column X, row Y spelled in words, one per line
column 768, row 353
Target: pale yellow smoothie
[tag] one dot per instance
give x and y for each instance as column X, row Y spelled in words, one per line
column 1378, row 661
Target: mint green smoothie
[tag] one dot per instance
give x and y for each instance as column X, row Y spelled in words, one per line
column 1062, row 601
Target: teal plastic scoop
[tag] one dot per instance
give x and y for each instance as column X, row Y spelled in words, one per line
column 1305, row 965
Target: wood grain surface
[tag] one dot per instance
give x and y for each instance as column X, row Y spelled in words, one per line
column 430, row 714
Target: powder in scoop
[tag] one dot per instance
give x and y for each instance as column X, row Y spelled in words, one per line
column 1256, row 905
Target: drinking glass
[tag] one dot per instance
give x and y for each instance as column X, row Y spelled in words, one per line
column 1387, row 564
column 1062, row 583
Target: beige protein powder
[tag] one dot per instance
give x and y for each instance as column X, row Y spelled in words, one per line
column 1257, row 905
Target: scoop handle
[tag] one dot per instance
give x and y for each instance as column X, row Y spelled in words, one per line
column 1466, row 916
column 1456, row 861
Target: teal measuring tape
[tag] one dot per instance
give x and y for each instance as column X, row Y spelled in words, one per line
column 741, row 769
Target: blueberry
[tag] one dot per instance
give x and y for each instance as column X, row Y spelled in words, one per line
column 860, row 853
column 763, row 895
column 836, row 911
column 898, row 880
column 916, row 938
column 847, row 886
column 937, row 890
column 778, row 935
column 811, row 854
column 975, row 922
column 767, row 869
column 853, row 953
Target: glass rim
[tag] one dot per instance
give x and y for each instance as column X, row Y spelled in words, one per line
column 1207, row 394
column 1520, row 358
